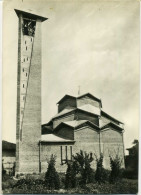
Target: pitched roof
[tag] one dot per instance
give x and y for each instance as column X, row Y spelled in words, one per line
column 68, row 111
column 8, row 145
column 63, row 112
column 65, row 97
column 89, row 108
column 91, row 96
column 79, row 97
column 77, row 124
column 110, row 117
column 53, row 138
column 112, row 125
column 30, row 15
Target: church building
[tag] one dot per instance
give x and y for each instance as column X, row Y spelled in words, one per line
column 81, row 124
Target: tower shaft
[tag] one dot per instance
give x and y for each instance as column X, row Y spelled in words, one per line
column 28, row 128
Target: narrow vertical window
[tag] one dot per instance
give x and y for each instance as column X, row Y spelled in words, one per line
column 31, row 39
column 23, row 85
column 26, row 47
column 26, row 74
column 24, row 59
column 66, row 154
column 27, row 58
column 71, row 152
column 23, row 69
column 61, row 155
column 25, row 42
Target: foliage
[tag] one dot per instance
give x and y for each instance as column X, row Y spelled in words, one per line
column 32, row 186
column 129, row 173
column 82, row 165
column 3, row 171
column 131, row 161
column 70, row 178
column 101, row 174
column 115, row 164
column 51, row 177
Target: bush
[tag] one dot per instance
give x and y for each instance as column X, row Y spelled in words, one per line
column 101, row 175
column 116, row 172
column 130, row 173
column 82, row 164
column 51, row 177
column 70, row 179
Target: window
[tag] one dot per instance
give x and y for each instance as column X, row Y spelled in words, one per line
column 31, row 39
column 27, row 58
column 66, row 154
column 26, row 47
column 25, row 42
column 23, row 85
column 26, row 74
column 23, row 69
column 24, row 59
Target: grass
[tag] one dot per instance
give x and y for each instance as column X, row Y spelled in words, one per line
column 34, row 184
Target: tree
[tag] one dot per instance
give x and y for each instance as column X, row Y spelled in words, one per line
column 83, row 162
column 70, row 179
column 51, row 177
column 115, row 164
column 100, row 175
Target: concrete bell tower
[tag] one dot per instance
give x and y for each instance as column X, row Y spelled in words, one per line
column 28, row 125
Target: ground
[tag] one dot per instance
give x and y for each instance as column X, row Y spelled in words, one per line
column 34, row 184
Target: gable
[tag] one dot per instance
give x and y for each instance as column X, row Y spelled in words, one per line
column 86, row 134
column 111, row 135
column 65, row 131
column 87, row 100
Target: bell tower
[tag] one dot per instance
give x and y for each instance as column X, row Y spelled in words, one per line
column 28, row 124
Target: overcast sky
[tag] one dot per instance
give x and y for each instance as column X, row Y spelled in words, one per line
column 94, row 44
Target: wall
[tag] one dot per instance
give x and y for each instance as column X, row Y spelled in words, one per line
column 57, row 121
column 53, row 148
column 65, row 132
column 80, row 115
column 87, row 139
column 67, row 103
column 87, row 100
column 103, row 121
column 9, row 159
column 30, row 132
column 111, row 144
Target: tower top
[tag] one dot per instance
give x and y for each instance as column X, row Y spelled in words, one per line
column 29, row 15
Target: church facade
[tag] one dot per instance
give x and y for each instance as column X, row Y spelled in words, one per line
column 81, row 124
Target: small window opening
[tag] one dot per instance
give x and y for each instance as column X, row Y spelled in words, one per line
column 23, row 85
column 24, row 59
column 31, row 39
column 27, row 58
column 23, row 69
column 66, row 154
column 26, row 74
column 26, row 47
column 25, row 42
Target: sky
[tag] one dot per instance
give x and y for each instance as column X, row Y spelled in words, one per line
column 91, row 44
